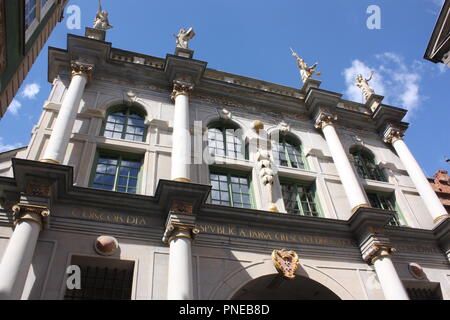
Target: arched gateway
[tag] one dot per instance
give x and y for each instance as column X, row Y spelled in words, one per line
column 275, row 287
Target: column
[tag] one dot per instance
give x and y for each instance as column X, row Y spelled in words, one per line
column 394, row 136
column 18, row 256
column 62, row 130
column 179, row 234
column 180, row 284
column 355, row 193
column 380, row 257
column 181, row 137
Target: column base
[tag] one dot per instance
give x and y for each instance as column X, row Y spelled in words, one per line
column 50, row 161
column 182, row 180
column 442, row 217
column 363, row 205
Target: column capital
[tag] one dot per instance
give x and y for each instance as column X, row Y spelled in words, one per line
column 392, row 134
column 376, row 248
column 35, row 213
column 181, row 87
column 82, row 69
column 325, row 118
column 180, row 222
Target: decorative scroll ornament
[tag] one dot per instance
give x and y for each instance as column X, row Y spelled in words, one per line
column 225, row 114
column 181, row 88
column 306, row 71
column 101, row 21
column 35, row 189
column 363, row 84
column 393, row 134
column 284, row 127
column 181, row 207
column 325, row 119
column 266, row 174
column 81, row 69
column 38, row 214
column 183, row 37
column 286, row 262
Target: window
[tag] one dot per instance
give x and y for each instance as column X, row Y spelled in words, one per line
column 125, row 123
column 386, row 202
column 116, row 172
column 34, row 12
column 300, row 199
column 230, row 189
column 102, row 279
column 365, row 165
column 288, row 152
column 30, row 13
column 225, row 139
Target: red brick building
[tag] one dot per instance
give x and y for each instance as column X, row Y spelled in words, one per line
column 441, row 185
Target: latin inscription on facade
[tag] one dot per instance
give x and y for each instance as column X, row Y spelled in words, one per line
column 250, row 233
column 110, row 217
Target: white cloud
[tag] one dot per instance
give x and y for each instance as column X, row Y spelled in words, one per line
column 442, row 68
column 14, row 106
column 31, row 90
column 394, row 79
column 7, row 147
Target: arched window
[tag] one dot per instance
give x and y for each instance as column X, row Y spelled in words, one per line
column 288, row 151
column 226, row 139
column 126, row 123
column 364, row 162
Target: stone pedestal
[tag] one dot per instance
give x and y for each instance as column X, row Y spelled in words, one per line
column 95, row 34
column 374, row 102
column 310, row 83
column 185, row 53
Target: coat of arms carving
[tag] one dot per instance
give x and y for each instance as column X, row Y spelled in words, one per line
column 286, row 262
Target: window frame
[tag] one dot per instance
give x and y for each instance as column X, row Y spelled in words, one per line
column 121, row 155
column 128, row 109
column 223, row 126
column 229, row 173
column 362, row 158
column 398, row 220
column 313, row 188
column 41, row 13
column 293, row 142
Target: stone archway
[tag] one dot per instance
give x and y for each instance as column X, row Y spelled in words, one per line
column 275, row 287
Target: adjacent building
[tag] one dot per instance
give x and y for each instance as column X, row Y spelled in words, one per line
column 441, row 184
column 438, row 50
column 162, row 178
column 25, row 26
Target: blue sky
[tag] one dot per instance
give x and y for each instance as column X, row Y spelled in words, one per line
column 252, row 38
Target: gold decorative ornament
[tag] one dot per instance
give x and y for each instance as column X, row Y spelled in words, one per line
column 325, row 119
column 258, row 125
column 182, row 180
column 393, row 135
column 82, row 69
column 273, row 208
column 181, row 88
column 50, row 161
column 38, row 189
column 363, row 205
column 38, row 214
column 439, row 218
column 286, row 262
column 181, row 207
